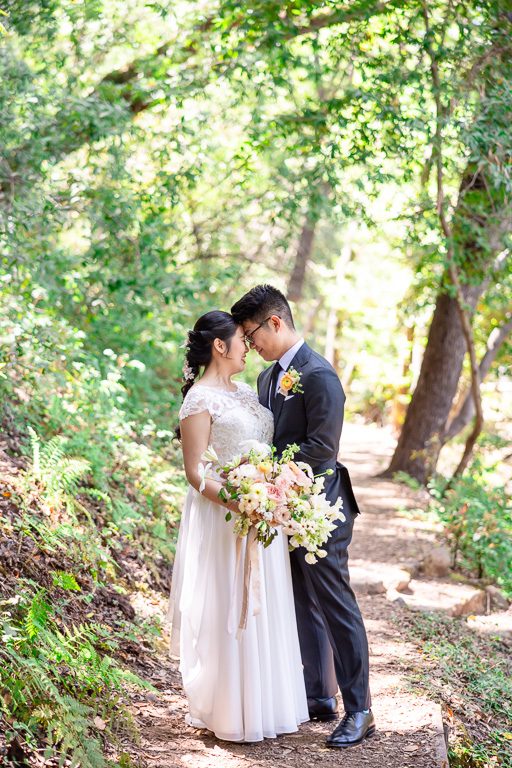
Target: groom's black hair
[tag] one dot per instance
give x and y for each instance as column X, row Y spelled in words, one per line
column 261, row 302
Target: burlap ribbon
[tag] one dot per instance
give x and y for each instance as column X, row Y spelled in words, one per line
column 251, row 578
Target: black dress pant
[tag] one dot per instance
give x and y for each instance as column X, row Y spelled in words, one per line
column 332, row 636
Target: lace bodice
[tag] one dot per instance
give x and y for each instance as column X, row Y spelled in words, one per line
column 236, row 417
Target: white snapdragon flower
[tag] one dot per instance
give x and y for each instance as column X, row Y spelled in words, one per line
column 210, row 454
column 204, row 473
column 318, row 485
column 310, row 558
column 336, row 513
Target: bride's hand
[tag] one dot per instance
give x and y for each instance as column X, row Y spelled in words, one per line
column 243, row 460
column 233, row 506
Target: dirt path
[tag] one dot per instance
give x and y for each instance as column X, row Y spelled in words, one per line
column 409, row 726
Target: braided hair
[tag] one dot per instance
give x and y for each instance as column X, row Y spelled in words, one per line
column 199, row 345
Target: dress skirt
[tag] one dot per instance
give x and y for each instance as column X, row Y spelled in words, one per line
column 246, row 689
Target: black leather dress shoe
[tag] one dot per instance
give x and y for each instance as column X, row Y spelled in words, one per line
column 353, row 730
column 323, row 709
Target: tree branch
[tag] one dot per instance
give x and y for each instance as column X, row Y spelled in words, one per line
column 344, row 15
column 251, row 258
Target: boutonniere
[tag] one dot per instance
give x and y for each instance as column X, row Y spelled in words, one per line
column 290, row 382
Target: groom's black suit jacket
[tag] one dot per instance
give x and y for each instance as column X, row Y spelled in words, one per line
column 313, row 419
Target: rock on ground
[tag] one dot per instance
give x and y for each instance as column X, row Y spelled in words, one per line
column 436, row 563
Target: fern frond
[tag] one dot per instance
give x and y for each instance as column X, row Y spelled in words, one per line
column 53, row 452
column 64, row 580
column 37, row 615
column 63, row 477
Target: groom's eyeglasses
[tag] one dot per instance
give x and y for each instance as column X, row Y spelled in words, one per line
column 249, row 336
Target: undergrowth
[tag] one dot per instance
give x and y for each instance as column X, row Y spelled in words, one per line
column 63, row 690
column 476, row 519
column 472, row 676
column 60, row 684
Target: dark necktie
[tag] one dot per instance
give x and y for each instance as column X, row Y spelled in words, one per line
column 273, row 384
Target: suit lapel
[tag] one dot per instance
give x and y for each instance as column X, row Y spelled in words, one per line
column 299, row 362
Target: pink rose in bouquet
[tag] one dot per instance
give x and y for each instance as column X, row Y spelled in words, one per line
column 285, row 480
column 275, row 494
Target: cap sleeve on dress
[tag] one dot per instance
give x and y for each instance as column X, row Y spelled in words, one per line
column 196, row 401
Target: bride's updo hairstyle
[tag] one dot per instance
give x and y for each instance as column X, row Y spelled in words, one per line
column 199, row 345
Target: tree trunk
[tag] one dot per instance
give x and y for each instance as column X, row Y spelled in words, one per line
column 334, row 319
column 310, row 319
column 330, row 335
column 466, row 410
column 421, row 436
column 333, row 332
column 304, row 250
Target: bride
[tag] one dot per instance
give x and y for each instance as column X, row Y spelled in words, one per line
column 242, row 689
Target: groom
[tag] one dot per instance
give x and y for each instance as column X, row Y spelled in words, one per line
column 332, row 636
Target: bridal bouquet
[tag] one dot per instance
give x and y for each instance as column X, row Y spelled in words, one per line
column 274, row 492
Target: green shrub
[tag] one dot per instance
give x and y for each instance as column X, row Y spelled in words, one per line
column 477, row 526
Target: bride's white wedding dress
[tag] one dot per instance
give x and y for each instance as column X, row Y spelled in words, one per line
column 247, row 689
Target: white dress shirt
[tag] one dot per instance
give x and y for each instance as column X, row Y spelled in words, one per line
column 285, row 361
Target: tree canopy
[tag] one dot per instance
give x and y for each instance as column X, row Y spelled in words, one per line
column 158, row 161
